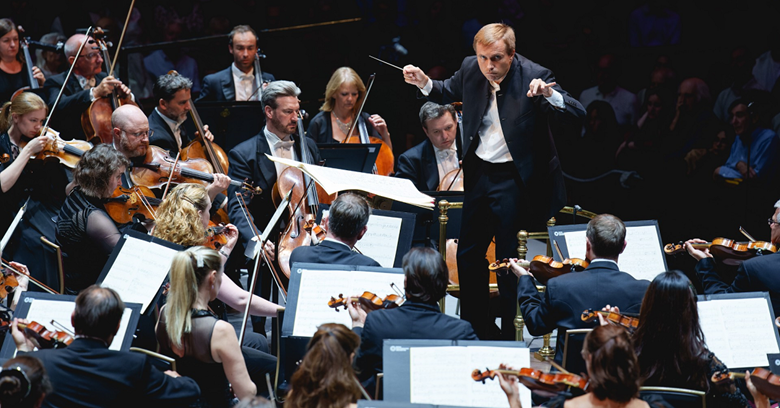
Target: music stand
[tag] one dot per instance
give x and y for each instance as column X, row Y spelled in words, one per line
column 350, row 156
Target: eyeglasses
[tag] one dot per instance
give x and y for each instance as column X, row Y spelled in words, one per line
column 770, row 221
column 142, row 133
column 90, row 56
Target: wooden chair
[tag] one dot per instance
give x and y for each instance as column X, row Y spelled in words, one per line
column 677, row 397
column 52, row 255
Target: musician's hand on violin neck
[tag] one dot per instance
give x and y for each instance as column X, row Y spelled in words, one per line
column 356, row 312
column 697, row 254
column 21, row 340
column 509, row 385
column 517, row 269
column 415, row 76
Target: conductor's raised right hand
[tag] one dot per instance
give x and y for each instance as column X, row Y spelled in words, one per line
column 415, row 76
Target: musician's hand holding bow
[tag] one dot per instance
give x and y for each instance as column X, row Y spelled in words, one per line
column 415, row 76
column 538, row 87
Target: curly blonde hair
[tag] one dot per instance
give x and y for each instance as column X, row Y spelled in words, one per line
column 343, row 75
column 177, row 219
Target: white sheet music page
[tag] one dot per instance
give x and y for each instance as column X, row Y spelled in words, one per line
column 139, row 270
column 442, row 375
column 380, row 242
column 739, row 331
column 44, row 311
column 318, row 286
column 643, row 257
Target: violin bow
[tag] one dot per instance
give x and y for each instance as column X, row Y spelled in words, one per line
column 121, row 38
column 15, row 223
column 360, row 111
column 170, row 175
column 745, row 233
column 558, row 250
column 40, row 284
column 65, row 82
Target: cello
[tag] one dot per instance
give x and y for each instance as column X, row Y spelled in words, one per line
column 385, row 160
column 25, row 46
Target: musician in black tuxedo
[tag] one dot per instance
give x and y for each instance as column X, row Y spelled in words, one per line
column 86, row 85
column 172, row 92
column 345, row 225
column 88, row 374
column 568, row 295
column 758, row 274
column 236, row 82
column 419, row 317
column 427, row 163
column 512, row 176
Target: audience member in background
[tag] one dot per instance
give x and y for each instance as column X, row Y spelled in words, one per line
column 325, row 377
column 51, row 62
column 767, row 67
column 693, row 123
column 160, row 62
column 622, row 101
column 754, row 153
column 741, row 79
column 23, row 383
column 640, row 150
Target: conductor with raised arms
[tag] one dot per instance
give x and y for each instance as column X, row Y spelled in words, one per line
column 512, row 176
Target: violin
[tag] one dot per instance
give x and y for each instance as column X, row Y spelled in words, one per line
column 728, row 250
column 543, row 268
column 369, row 301
column 385, row 159
column 8, row 282
column 45, row 338
column 66, row 152
column 536, row 380
column 764, row 380
column 127, row 202
column 96, row 120
column 630, row 323
column 25, row 46
column 215, row 236
column 6, row 267
column 503, row 265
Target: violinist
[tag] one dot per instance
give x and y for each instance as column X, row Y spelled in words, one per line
column 85, row 231
column 344, row 95
column 13, row 72
column 670, row 344
column 427, row 163
column 512, row 177
column 88, row 374
column 419, row 317
column 567, row 295
column 238, row 82
column 173, row 104
column 345, row 225
column 758, row 274
column 44, row 182
column 87, row 85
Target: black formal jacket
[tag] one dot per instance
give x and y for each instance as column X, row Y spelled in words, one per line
column 567, row 296
column 758, row 274
column 321, row 129
column 88, row 374
column 220, row 87
column 74, row 101
column 163, row 135
column 329, row 252
column 526, row 124
column 418, row 164
column 413, row 320
column 248, row 162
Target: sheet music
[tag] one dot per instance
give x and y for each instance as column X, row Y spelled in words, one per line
column 430, row 384
column 643, row 257
column 139, row 270
column 381, row 240
column 44, row 311
column 317, row 287
column 739, row 331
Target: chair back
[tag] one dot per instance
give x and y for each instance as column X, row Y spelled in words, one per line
column 54, row 273
column 572, row 347
column 677, row 397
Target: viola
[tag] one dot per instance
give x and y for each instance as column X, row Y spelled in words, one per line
column 215, row 236
column 728, row 250
column 369, row 301
column 66, row 152
column 630, row 323
column 764, row 380
column 385, row 159
column 536, row 380
column 127, row 202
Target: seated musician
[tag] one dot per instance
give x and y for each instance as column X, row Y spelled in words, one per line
column 44, row 182
column 427, row 163
column 236, row 82
column 88, row 374
column 670, row 344
column 205, row 347
column 85, row 231
column 566, row 296
column 344, row 95
column 325, row 376
column 758, row 274
column 13, row 72
column 86, row 85
column 419, row 317
column 345, row 225
column 27, row 391
column 172, row 92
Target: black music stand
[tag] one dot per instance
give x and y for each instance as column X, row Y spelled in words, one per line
column 350, row 156
column 230, row 122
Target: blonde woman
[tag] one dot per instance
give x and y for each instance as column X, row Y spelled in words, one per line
column 343, row 96
column 206, row 348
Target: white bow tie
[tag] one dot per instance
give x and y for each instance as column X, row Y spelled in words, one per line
column 284, row 144
column 246, row 77
column 445, row 154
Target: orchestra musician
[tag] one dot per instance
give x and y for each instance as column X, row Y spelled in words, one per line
column 13, row 72
column 27, row 391
column 236, row 82
column 88, row 374
column 567, row 295
column 508, row 153
column 344, row 95
column 758, row 274
column 427, row 163
column 205, row 347
column 172, row 92
column 87, row 85
column 345, row 225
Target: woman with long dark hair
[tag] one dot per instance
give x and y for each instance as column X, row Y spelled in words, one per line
column 13, row 73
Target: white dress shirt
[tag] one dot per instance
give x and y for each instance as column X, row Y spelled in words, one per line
column 245, row 84
column 280, row 148
column 173, row 125
column 446, row 160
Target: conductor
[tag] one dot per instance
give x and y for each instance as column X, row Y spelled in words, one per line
column 509, row 105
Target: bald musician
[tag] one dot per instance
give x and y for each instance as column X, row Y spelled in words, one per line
column 86, row 85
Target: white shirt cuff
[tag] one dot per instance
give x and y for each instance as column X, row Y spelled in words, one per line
column 426, row 90
column 556, row 99
column 92, row 96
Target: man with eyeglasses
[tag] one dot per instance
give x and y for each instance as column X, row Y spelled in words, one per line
column 86, row 85
column 757, row 274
